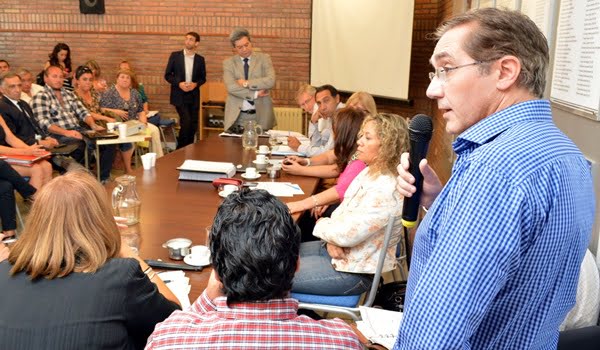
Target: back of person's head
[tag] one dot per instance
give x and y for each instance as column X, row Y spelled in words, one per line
column 254, row 244
column 392, row 131
column 70, row 228
column 237, row 34
column 363, row 101
column 346, row 126
column 329, row 88
column 498, row 33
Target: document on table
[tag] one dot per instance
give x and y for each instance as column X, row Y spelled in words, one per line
column 379, row 326
column 285, row 151
column 179, row 285
column 279, row 189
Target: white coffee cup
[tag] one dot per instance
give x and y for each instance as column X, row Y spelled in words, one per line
column 199, row 255
column 229, row 188
column 147, row 161
column 152, row 158
column 110, row 127
column 250, row 172
column 122, row 131
column 261, row 158
column 263, row 149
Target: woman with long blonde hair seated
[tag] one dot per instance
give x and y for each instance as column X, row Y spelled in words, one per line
column 70, row 283
column 345, row 261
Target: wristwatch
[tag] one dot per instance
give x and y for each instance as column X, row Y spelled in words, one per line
column 245, row 84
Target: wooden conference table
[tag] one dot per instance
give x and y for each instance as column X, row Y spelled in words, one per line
column 172, row 208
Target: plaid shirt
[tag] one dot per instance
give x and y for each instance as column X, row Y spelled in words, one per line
column 48, row 111
column 497, row 257
column 273, row 324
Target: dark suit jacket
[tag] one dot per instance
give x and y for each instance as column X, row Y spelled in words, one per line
column 115, row 307
column 23, row 126
column 175, row 74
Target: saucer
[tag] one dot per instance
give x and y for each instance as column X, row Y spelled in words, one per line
column 250, row 177
column 225, row 194
column 201, row 262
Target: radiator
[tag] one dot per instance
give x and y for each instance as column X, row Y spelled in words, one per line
column 289, row 119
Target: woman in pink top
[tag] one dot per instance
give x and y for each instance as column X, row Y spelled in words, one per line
column 346, row 125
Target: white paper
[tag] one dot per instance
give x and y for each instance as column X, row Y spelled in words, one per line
column 206, row 166
column 280, row 189
column 379, row 326
column 285, row 133
column 179, row 285
column 285, row 151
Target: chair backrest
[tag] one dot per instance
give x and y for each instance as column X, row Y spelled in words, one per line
column 389, row 230
column 213, row 92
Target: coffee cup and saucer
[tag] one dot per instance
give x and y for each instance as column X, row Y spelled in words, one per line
column 227, row 190
column 263, row 150
column 251, row 174
column 261, row 162
column 199, row 256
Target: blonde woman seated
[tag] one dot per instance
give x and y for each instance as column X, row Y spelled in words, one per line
column 40, row 172
column 321, row 164
column 346, row 125
column 86, row 93
column 125, row 101
column 72, row 283
column 344, row 262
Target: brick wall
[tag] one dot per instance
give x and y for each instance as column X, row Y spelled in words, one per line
column 145, row 32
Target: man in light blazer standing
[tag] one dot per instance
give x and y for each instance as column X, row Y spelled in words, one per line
column 186, row 72
column 248, row 77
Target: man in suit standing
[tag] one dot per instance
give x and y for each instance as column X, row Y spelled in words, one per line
column 248, row 77
column 186, row 72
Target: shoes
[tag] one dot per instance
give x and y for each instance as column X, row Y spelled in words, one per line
column 66, row 162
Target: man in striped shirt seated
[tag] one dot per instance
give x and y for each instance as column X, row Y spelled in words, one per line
column 254, row 246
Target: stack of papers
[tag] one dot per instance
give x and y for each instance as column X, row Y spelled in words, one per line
column 179, row 285
column 279, row 189
column 200, row 170
column 285, row 133
column 379, row 326
column 285, row 151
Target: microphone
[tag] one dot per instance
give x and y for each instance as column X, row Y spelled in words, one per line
column 419, row 131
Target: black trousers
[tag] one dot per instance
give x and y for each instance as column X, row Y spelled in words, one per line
column 188, row 122
column 10, row 181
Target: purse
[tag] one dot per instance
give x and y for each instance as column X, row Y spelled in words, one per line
column 390, row 296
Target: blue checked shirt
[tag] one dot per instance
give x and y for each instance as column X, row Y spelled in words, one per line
column 496, row 259
column 48, row 111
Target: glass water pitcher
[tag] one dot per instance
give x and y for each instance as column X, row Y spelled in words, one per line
column 125, row 200
column 250, row 134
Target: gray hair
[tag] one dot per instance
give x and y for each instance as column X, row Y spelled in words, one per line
column 501, row 32
column 7, row 75
column 237, row 34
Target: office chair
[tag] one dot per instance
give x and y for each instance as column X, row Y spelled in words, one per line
column 348, row 304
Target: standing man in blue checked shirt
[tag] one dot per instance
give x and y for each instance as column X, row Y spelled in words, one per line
column 496, row 259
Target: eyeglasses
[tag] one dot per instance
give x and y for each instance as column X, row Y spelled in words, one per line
column 442, row 72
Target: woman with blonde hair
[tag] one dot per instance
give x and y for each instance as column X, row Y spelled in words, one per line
column 73, row 284
column 125, row 101
column 344, row 263
column 363, row 101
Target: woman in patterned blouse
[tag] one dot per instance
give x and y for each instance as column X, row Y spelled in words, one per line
column 344, row 261
column 89, row 97
column 126, row 102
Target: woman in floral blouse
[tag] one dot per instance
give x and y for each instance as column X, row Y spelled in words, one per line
column 89, row 97
column 344, row 261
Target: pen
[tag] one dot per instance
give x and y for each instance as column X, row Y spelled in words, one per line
column 293, row 186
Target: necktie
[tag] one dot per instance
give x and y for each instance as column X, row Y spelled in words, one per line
column 246, row 68
column 29, row 117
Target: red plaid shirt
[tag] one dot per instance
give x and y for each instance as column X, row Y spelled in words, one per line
column 273, row 324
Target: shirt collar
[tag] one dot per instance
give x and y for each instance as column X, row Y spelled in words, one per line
column 243, row 58
column 15, row 102
column 493, row 125
column 275, row 309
